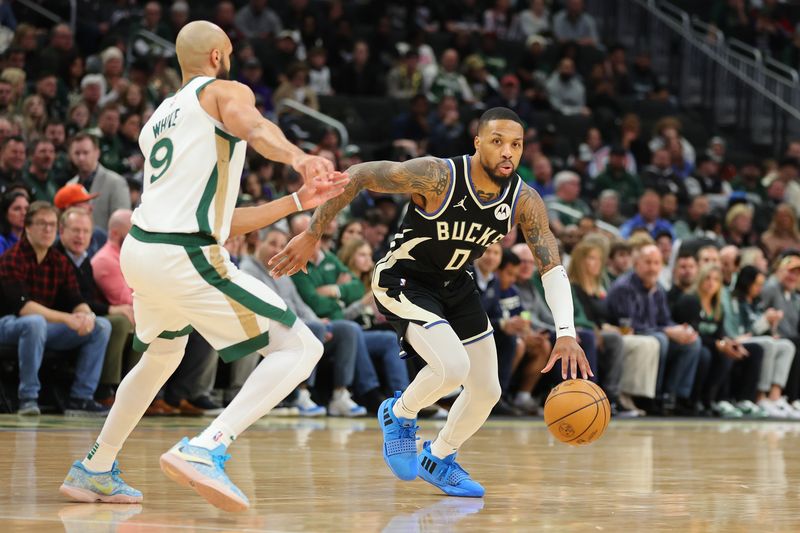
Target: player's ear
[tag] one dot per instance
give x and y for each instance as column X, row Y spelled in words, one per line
column 477, row 143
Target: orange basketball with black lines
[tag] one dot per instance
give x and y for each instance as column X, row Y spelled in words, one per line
column 577, row 412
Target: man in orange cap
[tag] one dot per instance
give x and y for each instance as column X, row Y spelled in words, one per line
column 76, row 195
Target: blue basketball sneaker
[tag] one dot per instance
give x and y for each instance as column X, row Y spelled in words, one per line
column 447, row 474
column 82, row 485
column 399, row 440
column 204, row 471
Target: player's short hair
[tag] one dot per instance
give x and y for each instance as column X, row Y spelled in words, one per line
column 509, row 258
column 498, row 113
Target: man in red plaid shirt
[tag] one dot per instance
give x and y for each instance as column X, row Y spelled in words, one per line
column 41, row 307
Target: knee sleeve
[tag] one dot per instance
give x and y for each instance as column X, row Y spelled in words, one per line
column 483, row 382
column 300, row 339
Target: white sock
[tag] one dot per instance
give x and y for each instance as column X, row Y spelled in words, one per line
column 401, row 411
column 101, row 457
column 441, row 449
column 134, row 395
column 214, row 435
column 339, row 393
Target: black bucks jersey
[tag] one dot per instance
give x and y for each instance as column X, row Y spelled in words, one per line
column 423, row 278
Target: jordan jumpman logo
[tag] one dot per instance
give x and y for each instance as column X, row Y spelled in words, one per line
column 461, row 204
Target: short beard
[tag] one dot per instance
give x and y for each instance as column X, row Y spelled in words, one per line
column 498, row 180
column 223, row 73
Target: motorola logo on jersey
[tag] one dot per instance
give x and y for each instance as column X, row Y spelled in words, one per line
column 459, row 231
column 502, row 212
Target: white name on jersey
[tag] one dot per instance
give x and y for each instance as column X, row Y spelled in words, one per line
column 457, row 231
column 166, row 123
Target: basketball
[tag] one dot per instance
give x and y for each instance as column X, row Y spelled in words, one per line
column 577, row 412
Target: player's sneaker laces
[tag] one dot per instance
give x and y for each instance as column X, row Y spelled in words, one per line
column 82, row 485
column 447, row 474
column 399, row 440
column 204, row 471
column 343, row 405
column 306, row 405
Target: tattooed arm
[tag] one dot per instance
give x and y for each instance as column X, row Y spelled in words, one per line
column 425, row 178
column 531, row 215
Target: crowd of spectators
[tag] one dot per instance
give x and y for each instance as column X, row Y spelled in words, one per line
column 683, row 257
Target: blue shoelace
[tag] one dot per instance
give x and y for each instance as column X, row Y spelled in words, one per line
column 220, row 460
column 408, row 432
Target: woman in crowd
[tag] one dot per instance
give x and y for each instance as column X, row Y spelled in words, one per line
column 739, row 226
column 783, row 233
column 381, row 342
column 34, row 115
column 353, row 229
column 486, row 265
column 133, row 99
column 253, row 187
column 759, row 328
column 753, row 256
column 12, row 218
column 702, row 309
column 78, row 118
column 629, row 363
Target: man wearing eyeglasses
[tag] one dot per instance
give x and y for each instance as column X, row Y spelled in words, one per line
column 41, row 307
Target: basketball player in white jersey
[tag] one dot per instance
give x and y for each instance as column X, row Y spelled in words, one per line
column 182, row 277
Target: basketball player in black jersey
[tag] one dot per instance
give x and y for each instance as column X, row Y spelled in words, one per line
column 459, row 206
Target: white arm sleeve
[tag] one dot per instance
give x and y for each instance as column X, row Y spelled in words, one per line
column 558, row 294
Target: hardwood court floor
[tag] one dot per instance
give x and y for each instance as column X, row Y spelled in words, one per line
column 328, row 475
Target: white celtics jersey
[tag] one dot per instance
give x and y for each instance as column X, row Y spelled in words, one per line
column 192, row 168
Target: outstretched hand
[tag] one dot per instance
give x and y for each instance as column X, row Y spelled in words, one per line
column 294, row 257
column 571, row 354
column 319, row 189
column 310, row 166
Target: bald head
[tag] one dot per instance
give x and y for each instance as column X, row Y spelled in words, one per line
column 299, row 224
column 203, row 49
column 119, row 224
column 647, row 264
column 527, row 264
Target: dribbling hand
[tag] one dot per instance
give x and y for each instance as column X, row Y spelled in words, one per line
column 571, row 354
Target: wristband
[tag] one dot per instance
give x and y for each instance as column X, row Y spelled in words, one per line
column 558, row 294
column 297, row 201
